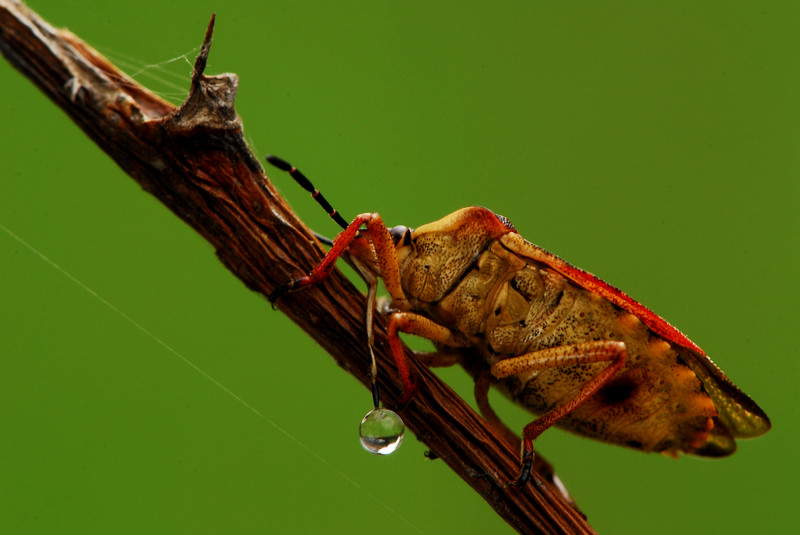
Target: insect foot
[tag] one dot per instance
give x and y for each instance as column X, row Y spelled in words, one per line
column 527, row 465
column 409, row 391
column 280, row 291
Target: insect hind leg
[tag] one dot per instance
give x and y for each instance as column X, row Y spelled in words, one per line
column 560, row 357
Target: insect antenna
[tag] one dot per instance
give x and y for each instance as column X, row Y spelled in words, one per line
column 323, row 239
column 306, row 184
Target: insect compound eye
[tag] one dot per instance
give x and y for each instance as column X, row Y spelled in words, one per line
column 401, row 235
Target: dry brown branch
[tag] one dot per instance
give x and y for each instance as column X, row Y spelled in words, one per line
column 194, row 159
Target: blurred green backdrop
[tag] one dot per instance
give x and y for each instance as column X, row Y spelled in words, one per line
column 654, row 145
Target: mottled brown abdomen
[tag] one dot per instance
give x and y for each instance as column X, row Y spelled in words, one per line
column 509, row 306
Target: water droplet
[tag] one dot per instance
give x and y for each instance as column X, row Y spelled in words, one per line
column 381, row 431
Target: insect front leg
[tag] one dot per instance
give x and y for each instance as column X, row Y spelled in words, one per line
column 382, row 244
column 561, row 357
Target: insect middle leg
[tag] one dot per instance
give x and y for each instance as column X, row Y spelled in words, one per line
column 411, row 323
column 561, row 357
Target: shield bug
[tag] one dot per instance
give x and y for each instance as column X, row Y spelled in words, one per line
column 569, row 347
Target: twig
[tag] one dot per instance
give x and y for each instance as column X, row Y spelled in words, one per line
column 194, row 159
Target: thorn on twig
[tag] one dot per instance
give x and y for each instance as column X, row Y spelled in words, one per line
column 202, row 57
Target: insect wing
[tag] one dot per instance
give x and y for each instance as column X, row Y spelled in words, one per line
column 598, row 286
column 739, row 413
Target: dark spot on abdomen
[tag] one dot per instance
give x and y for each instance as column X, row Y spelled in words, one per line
column 617, row 391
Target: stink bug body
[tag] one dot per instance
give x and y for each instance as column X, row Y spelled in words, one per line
column 569, row 347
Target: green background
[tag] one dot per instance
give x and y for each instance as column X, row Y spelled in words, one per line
column 654, row 145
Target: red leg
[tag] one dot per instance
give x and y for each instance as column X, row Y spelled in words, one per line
column 408, row 322
column 384, row 252
column 340, row 244
column 558, row 357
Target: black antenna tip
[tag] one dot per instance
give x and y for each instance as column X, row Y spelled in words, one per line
column 280, row 163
